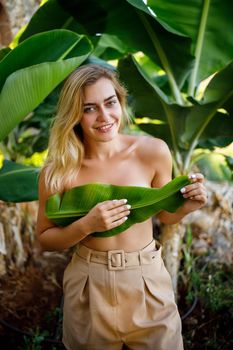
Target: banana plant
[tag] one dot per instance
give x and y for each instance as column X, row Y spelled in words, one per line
column 18, row 182
column 33, row 69
column 182, row 127
column 181, row 40
column 28, row 74
column 31, row 134
column 176, row 38
column 178, row 113
column 184, row 43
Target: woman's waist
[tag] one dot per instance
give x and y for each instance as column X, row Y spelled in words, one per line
column 134, row 238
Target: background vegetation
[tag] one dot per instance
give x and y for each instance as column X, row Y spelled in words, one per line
column 175, row 58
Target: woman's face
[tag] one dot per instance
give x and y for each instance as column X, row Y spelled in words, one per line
column 102, row 111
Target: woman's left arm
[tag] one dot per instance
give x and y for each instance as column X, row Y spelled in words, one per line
column 195, row 193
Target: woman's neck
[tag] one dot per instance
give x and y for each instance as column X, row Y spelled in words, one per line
column 103, row 150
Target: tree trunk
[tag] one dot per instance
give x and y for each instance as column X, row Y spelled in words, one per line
column 171, row 237
column 17, row 238
column 19, row 12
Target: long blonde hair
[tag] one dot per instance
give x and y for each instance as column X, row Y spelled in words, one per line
column 66, row 150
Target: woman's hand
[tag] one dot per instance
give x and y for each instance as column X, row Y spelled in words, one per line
column 195, row 193
column 107, row 215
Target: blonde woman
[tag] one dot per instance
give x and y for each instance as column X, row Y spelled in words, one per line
column 117, row 291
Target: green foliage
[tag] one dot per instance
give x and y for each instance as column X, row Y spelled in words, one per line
column 35, row 342
column 40, row 338
column 31, row 135
column 216, row 285
column 188, row 274
column 33, row 69
column 211, row 283
column 171, row 53
column 18, row 182
column 215, row 167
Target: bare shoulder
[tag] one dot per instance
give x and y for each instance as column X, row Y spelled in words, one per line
column 153, row 148
column 154, row 154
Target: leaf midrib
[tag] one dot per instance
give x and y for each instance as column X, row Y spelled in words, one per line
column 62, row 214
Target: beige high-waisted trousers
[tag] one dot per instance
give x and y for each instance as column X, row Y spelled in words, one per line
column 115, row 298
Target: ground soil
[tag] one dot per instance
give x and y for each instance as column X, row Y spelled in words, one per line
column 31, row 303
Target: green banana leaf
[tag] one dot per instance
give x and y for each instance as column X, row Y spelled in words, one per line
column 117, row 19
column 28, row 78
column 204, row 116
column 181, row 125
column 214, row 166
column 63, row 209
column 213, row 43
column 51, row 15
column 18, row 182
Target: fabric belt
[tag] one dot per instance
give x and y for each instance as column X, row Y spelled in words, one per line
column 119, row 259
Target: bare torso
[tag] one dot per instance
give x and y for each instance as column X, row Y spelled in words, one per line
column 112, row 158
column 126, row 168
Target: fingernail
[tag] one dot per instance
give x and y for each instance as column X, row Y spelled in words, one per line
column 128, row 206
column 182, row 190
column 192, row 176
column 126, row 217
column 125, row 200
column 115, row 200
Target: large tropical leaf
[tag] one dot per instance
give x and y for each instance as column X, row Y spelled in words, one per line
column 150, row 102
column 4, row 52
column 18, row 182
column 218, row 94
column 208, row 23
column 48, row 17
column 124, row 21
column 42, row 48
column 215, row 167
column 65, row 208
column 140, row 31
column 28, row 87
column 180, row 126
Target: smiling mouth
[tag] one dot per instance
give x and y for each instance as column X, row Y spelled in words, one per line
column 105, row 128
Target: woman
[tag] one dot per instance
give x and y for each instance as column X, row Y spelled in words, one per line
column 116, row 289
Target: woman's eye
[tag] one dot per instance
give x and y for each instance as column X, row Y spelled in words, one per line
column 89, row 109
column 111, row 103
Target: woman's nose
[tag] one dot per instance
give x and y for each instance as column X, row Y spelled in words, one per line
column 103, row 114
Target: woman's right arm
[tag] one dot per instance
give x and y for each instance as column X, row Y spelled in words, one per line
column 104, row 216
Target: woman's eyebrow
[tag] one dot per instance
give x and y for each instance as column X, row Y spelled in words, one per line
column 105, row 100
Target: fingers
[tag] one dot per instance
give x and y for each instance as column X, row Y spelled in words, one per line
column 197, row 177
column 118, row 222
column 196, row 190
column 193, row 190
column 112, row 213
column 121, row 209
column 118, row 212
column 116, row 208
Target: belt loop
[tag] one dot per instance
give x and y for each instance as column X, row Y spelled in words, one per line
column 84, row 252
column 89, row 253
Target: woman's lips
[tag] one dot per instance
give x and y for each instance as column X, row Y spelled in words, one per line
column 105, row 128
